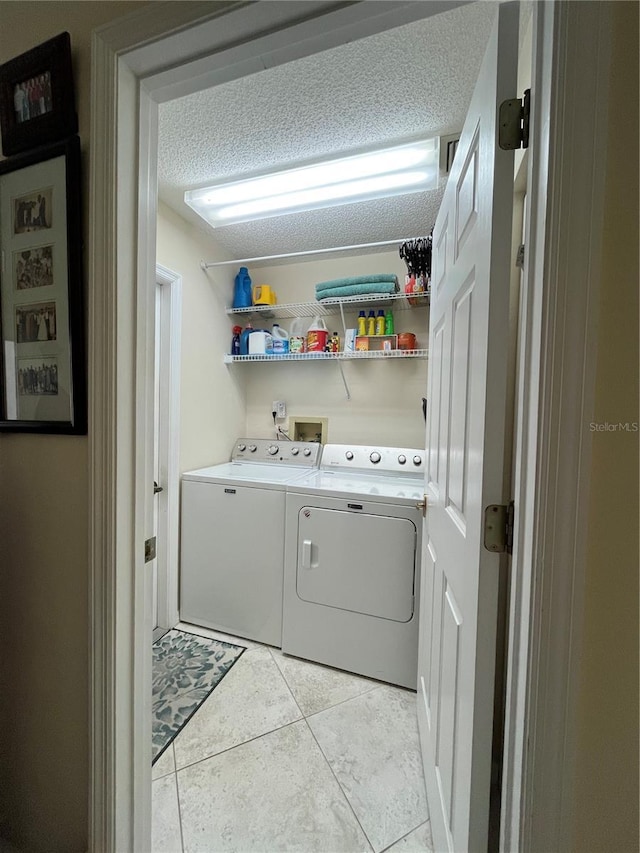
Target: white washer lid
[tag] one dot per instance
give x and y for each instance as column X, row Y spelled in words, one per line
column 245, row 473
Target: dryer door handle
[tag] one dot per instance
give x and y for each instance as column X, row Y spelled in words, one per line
column 306, row 553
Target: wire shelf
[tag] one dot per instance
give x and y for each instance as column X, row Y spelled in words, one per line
column 329, row 307
column 329, row 356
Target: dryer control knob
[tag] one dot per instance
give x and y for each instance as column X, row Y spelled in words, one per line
column 402, row 459
column 417, row 460
column 375, row 457
column 349, row 454
column 307, row 451
column 295, row 451
column 242, row 447
column 252, row 448
column 272, row 449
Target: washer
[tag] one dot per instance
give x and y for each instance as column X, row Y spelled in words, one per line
column 352, row 557
column 232, row 542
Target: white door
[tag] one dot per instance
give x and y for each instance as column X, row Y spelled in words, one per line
column 156, row 444
column 465, row 442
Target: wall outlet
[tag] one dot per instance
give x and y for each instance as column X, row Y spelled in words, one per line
column 280, row 408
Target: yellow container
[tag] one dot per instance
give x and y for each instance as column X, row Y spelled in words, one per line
column 263, row 295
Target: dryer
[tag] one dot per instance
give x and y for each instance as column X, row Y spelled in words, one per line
column 352, row 562
column 232, row 538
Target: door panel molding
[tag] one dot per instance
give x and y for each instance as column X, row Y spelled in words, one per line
column 467, row 195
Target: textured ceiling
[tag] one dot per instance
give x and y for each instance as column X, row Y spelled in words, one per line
column 412, row 81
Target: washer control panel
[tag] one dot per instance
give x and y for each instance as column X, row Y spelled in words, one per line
column 400, row 460
column 266, row 450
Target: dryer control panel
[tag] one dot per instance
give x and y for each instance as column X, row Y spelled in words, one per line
column 361, row 457
column 305, row 454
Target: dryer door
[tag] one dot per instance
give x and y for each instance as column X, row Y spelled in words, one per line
column 360, row 562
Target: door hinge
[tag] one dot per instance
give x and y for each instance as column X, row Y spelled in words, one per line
column 498, row 528
column 150, row 549
column 513, row 122
column 520, row 257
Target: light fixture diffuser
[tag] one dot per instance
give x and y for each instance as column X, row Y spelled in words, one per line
column 377, row 174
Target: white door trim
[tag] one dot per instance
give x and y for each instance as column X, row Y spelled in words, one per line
column 556, row 380
column 122, row 231
column 168, row 527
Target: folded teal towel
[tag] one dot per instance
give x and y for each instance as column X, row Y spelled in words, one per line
column 381, row 287
column 355, row 279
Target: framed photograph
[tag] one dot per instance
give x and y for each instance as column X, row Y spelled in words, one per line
column 42, row 355
column 37, row 100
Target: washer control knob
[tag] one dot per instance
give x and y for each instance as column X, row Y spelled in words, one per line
column 252, row 448
column 295, row 451
column 349, row 454
column 307, row 451
column 242, row 447
column 375, row 457
column 272, row 449
column 402, row 459
column 417, row 460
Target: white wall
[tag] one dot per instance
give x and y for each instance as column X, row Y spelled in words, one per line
column 212, row 404
column 386, row 396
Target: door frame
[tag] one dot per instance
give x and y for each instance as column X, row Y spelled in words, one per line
column 138, row 62
column 554, row 405
column 168, row 524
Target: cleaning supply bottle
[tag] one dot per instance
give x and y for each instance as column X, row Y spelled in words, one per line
column 388, row 323
column 380, row 324
column 362, row 324
column 371, row 323
column 242, row 289
column 244, row 339
column 335, row 342
column 317, row 336
column 280, row 338
column 235, row 340
column 297, row 336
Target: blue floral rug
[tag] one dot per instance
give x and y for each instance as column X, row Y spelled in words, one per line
column 186, row 668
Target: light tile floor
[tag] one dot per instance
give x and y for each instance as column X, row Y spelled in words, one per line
column 286, row 755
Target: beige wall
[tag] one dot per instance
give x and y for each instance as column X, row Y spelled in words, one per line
column 386, row 396
column 607, row 768
column 216, row 400
column 212, row 398
column 43, row 553
column 220, row 402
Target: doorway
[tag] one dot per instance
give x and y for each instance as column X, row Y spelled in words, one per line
column 120, row 506
column 147, row 247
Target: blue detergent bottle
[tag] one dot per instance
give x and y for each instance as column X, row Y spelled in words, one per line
column 242, row 289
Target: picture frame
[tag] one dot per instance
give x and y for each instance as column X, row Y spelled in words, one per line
column 42, row 322
column 37, row 98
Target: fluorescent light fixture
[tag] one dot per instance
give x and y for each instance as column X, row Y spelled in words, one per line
column 378, row 174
